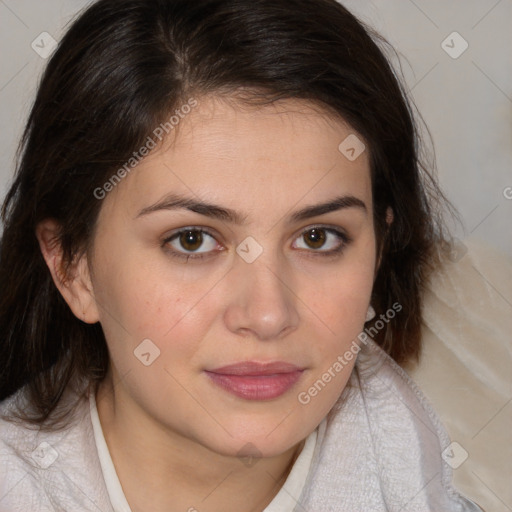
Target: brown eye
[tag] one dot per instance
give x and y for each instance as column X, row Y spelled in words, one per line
column 321, row 240
column 191, row 240
column 315, row 238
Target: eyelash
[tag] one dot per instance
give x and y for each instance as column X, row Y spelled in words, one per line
column 345, row 240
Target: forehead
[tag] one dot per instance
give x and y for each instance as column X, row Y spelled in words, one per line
column 251, row 157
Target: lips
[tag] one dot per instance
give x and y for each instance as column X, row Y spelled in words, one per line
column 256, row 381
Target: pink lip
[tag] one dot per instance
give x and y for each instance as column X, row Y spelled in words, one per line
column 256, row 381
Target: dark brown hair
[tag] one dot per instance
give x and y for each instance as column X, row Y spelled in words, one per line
column 120, row 70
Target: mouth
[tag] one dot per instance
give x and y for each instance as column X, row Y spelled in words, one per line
column 256, row 381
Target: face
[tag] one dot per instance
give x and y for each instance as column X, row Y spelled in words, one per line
column 243, row 253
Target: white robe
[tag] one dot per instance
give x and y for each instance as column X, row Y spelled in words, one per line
column 381, row 449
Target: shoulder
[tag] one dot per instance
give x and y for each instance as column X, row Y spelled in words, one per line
column 48, row 469
column 382, row 447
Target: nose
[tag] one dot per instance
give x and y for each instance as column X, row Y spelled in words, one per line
column 262, row 302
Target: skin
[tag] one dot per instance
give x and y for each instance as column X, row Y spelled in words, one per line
column 291, row 304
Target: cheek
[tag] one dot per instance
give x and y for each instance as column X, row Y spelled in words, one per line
column 141, row 301
column 345, row 301
column 342, row 294
column 336, row 332
column 340, row 307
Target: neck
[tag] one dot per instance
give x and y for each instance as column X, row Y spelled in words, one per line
column 161, row 470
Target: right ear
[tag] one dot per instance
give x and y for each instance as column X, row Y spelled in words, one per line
column 74, row 284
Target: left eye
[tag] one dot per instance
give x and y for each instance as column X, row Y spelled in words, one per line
column 192, row 241
column 321, row 240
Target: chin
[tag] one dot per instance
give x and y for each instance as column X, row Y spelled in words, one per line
column 255, row 438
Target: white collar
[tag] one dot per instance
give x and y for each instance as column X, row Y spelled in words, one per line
column 284, row 500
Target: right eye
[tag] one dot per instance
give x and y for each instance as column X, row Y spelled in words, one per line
column 188, row 242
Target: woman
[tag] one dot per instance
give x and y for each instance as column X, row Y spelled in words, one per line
column 219, row 204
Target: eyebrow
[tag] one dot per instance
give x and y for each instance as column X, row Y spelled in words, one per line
column 174, row 202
